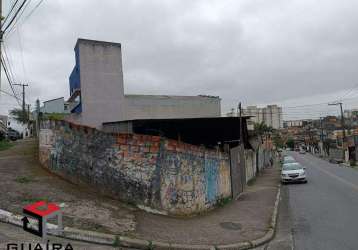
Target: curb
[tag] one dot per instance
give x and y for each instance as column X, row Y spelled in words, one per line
column 113, row 240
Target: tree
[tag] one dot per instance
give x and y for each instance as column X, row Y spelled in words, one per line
column 261, row 128
column 277, row 140
column 19, row 115
column 290, row 143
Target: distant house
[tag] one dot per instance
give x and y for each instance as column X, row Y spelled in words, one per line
column 57, row 105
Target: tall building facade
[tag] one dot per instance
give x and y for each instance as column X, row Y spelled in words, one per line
column 97, row 91
column 270, row 115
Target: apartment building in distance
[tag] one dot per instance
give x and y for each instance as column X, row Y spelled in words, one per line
column 271, row 115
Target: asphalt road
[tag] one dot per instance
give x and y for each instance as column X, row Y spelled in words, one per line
column 324, row 212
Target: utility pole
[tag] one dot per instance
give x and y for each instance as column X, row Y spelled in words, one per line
column 344, row 144
column 239, row 111
column 23, row 98
column 321, row 137
column 241, row 151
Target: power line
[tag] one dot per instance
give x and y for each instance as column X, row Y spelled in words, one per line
column 350, row 91
column 12, row 8
column 8, row 63
column 14, row 16
column 9, row 80
column 17, row 20
column 7, row 93
column 33, row 10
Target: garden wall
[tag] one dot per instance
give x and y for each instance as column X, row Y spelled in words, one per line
column 152, row 172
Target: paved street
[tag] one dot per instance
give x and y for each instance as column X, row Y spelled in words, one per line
column 324, row 211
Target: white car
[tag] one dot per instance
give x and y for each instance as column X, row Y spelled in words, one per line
column 288, row 159
column 293, row 172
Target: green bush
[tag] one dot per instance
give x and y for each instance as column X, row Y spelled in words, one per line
column 5, row 144
column 223, row 201
column 23, row 179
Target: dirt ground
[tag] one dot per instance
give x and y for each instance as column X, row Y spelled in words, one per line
column 24, row 181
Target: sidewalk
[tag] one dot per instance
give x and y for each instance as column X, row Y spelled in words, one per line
column 245, row 219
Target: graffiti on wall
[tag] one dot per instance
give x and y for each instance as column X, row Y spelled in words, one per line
column 191, row 181
column 140, row 169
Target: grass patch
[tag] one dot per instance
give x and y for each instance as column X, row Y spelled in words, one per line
column 4, row 144
column 117, row 241
column 23, row 179
column 251, row 182
column 150, row 245
column 223, row 201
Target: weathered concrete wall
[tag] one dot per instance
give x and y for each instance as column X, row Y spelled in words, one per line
column 149, row 171
column 192, row 178
column 336, row 154
column 155, row 107
column 250, row 164
column 101, row 76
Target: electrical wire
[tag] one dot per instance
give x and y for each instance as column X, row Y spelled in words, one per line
column 33, row 10
column 17, row 20
column 7, row 93
column 8, row 63
column 14, row 16
column 11, row 9
column 9, row 80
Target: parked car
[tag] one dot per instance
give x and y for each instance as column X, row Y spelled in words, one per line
column 13, row 135
column 293, row 172
column 288, row 159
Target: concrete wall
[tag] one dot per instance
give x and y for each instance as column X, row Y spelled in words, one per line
column 337, row 154
column 98, row 73
column 151, row 172
column 250, row 164
column 101, row 76
column 154, row 107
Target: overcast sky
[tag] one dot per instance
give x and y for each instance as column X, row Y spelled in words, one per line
column 255, row 51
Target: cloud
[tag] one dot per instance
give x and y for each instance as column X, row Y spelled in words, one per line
column 254, row 51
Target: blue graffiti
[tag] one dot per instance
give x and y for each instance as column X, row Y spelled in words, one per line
column 211, row 178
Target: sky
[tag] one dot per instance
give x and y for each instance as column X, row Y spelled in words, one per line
column 286, row 52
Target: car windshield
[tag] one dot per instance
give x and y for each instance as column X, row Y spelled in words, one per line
column 293, row 166
column 288, row 161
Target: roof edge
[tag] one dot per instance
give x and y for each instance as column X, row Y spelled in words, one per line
column 96, row 42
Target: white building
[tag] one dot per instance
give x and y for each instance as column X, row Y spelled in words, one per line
column 97, row 91
column 270, row 115
column 294, row 123
column 57, row 105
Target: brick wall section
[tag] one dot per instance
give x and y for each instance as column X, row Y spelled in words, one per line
column 149, row 171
